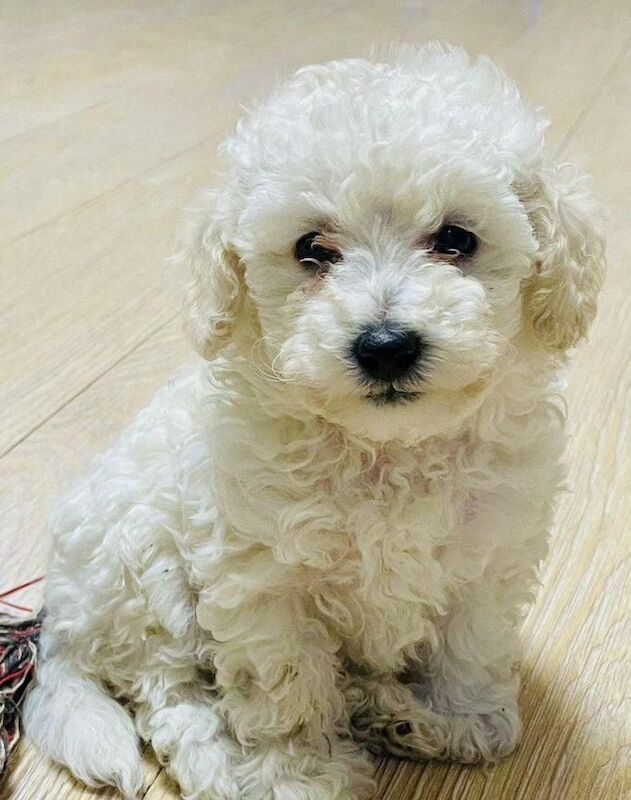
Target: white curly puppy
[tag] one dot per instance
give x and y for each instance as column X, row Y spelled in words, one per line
column 324, row 543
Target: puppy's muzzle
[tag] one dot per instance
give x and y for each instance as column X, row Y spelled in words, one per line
column 387, row 353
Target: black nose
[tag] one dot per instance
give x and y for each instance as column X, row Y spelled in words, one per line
column 386, row 353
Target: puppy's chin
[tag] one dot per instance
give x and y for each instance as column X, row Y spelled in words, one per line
column 410, row 419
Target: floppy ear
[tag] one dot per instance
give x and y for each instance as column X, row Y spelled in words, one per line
column 215, row 289
column 560, row 298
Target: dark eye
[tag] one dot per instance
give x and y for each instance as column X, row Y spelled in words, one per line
column 455, row 241
column 310, row 252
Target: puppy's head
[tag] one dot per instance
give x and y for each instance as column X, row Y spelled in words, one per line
column 391, row 231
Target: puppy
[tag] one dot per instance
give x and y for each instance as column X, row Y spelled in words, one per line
column 323, row 543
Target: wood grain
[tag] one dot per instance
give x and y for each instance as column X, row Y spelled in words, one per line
column 34, row 778
column 113, row 112
column 87, row 289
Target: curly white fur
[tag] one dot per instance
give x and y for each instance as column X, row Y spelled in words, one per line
column 274, row 571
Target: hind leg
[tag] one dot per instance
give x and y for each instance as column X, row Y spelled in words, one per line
column 71, row 719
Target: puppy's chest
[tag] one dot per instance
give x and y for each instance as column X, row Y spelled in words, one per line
column 396, row 505
column 405, row 515
column 378, row 524
column 388, row 577
column 363, row 539
column 394, row 515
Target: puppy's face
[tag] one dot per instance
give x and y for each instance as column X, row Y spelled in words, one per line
column 387, row 298
column 383, row 240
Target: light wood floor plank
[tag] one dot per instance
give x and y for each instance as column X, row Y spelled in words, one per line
column 34, row 778
column 82, row 293
column 72, row 55
column 50, row 170
column 561, row 63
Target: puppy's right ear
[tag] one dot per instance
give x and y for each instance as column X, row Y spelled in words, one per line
column 215, row 288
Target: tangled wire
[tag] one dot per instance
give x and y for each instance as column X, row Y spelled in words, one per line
column 18, row 653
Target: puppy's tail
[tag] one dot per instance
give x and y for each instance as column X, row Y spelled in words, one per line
column 74, row 722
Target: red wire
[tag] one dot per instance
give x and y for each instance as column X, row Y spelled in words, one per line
column 22, row 586
column 15, row 605
column 14, row 675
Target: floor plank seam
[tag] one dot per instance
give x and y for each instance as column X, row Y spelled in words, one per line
column 152, row 782
column 86, row 386
column 54, row 120
column 593, row 99
column 83, row 204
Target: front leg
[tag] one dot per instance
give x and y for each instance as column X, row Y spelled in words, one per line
column 277, row 673
column 462, row 706
column 387, row 717
column 491, row 567
column 460, row 702
column 474, row 680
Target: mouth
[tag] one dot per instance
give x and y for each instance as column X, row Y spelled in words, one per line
column 391, row 396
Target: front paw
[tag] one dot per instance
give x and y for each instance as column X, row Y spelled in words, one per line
column 486, row 738
column 293, row 771
column 419, row 737
column 385, row 717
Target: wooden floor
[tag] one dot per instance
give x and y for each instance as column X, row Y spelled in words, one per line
column 110, row 115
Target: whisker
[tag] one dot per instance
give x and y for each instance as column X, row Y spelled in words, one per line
column 279, row 376
column 261, row 367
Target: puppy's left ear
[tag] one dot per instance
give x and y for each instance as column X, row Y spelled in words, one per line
column 215, row 289
column 560, row 298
